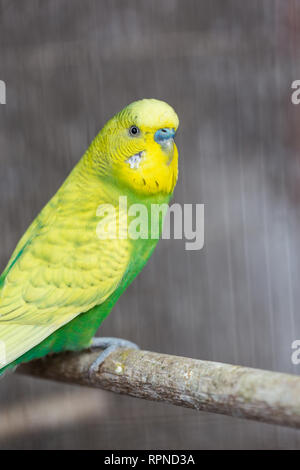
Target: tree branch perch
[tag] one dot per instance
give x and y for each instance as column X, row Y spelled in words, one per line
column 238, row 391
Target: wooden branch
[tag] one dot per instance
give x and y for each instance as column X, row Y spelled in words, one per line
column 242, row 392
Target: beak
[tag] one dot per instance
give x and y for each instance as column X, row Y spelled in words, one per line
column 165, row 138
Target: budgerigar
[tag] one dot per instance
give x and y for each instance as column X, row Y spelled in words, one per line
column 64, row 277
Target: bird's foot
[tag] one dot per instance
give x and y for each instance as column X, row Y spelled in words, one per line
column 108, row 345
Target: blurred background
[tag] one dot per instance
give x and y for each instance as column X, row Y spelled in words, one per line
column 226, row 67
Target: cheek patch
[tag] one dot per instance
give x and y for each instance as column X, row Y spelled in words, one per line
column 135, row 160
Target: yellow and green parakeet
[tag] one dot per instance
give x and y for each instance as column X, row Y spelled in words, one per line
column 63, row 279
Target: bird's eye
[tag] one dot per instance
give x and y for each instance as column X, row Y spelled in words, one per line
column 134, row 131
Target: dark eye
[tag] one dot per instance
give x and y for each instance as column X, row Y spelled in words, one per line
column 134, row 131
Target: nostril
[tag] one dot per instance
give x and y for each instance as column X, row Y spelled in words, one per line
column 164, row 134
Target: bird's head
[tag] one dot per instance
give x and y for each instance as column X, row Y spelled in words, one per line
column 139, row 148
